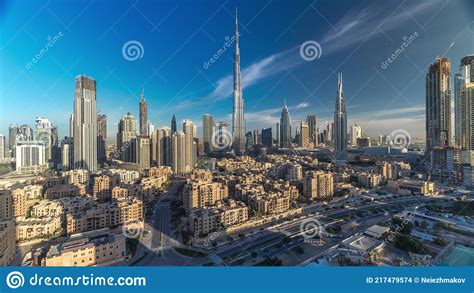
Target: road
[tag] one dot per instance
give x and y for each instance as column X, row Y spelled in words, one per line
column 161, row 250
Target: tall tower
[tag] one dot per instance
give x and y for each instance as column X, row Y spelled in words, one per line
column 285, row 128
column 102, row 138
column 126, row 133
column 173, row 124
column 188, row 129
column 85, row 124
column 238, row 121
column 143, row 115
column 340, row 124
column 438, row 104
column 461, row 80
column 208, row 131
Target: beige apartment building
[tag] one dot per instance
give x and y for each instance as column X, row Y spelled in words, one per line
column 36, row 228
column 270, row 203
column 203, row 221
column 88, row 249
column 318, row 185
column 102, row 188
column 61, row 191
column 202, row 194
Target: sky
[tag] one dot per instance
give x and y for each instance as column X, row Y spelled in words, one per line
column 45, row 44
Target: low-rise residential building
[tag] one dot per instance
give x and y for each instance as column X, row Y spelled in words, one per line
column 270, row 203
column 201, row 194
column 36, row 228
column 68, row 190
column 369, row 180
column 93, row 248
column 203, row 221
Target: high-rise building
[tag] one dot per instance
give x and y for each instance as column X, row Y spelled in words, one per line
column 161, row 147
column 340, row 124
column 238, row 120
column 142, row 149
column 85, row 124
column 173, row 124
column 188, row 129
column 465, row 76
column 71, row 125
column 330, row 132
column 249, row 141
column 438, row 104
column 277, row 131
column 285, row 128
column 267, row 137
column 143, row 114
column 467, row 116
column 30, row 156
column 304, row 140
column 256, row 137
column 46, row 132
column 356, row 132
column 208, row 132
column 178, row 152
column 26, row 133
column 313, row 129
column 101, row 138
column 67, row 153
column 12, row 133
column 2, row 147
column 151, row 128
column 126, row 132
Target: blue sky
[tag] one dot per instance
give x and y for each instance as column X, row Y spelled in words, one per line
column 179, row 37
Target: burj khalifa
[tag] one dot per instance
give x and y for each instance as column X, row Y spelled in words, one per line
column 238, row 121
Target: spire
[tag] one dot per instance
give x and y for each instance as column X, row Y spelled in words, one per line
column 339, row 79
column 142, row 95
column 236, row 23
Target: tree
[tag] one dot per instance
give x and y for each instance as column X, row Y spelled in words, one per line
column 408, row 243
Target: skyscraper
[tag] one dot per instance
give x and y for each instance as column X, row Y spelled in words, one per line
column 67, row 153
column 356, row 132
column 188, row 129
column 238, row 120
column 142, row 149
column 101, row 138
column 178, row 152
column 71, row 125
column 438, row 104
column 208, row 132
column 85, row 124
column 126, row 132
column 173, row 124
column 161, row 146
column 313, row 129
column 277, row 132
column 29, row 156
column 304, row 135
column 45, row 131
column 464, row 77
column 458, row 86
column 267, row 137
column 143, row 114
column 340, row 124
column 285, row 128
column 467, row 116
column 249, row 141
column 256, row 137
column 12, row 132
